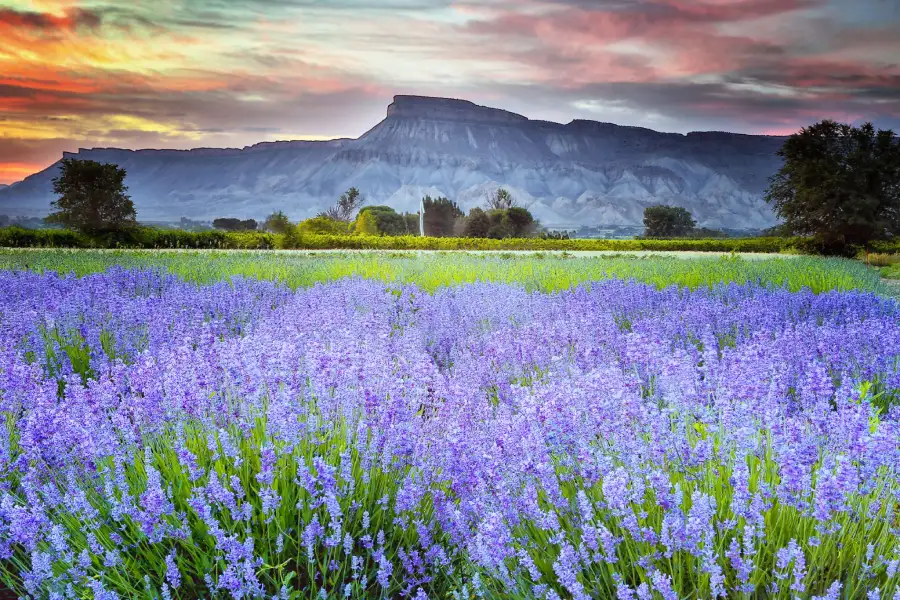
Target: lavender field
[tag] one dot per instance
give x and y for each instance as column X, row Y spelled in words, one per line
column 534, row 428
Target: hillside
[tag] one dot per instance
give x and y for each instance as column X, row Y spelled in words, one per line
column 580, row 173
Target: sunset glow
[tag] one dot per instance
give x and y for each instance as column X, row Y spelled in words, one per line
column 83, row 73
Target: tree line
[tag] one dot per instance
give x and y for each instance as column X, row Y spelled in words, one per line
column 838, row 184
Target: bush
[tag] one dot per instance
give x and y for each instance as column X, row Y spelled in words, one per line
column 309, row 235
column 324, row 226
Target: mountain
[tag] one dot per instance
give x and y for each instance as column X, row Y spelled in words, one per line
column 581, row 173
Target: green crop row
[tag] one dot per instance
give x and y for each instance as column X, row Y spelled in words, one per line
column 151, row 238
column 539, row 271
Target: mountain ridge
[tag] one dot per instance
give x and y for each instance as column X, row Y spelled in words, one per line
column 582, row 172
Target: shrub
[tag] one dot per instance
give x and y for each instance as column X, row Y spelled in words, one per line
column 322, row 225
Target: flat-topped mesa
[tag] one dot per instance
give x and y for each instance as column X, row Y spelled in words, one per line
column 449, row 109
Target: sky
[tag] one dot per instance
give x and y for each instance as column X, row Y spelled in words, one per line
column 230, row 73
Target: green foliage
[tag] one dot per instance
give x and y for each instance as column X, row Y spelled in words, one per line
column 138, row 237
column 232, row 224
column 411, row 223
column 366, row 224
column 92, row 197
column 380, row 220
column 667, row 222
column 501, row 226
column 321, row 233
column 440, row 216
column 514, row 222
column 478, row 224
column 324, row 226
column 431, row 270
column 277, row 222
column 840, row 184
column 520, row 220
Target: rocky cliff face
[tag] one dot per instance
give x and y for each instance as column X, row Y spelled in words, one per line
column 582, row 173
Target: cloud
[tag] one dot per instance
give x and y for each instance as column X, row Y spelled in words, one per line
column 73, row 19
column 233, row 72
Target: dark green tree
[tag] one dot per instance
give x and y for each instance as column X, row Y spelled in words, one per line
column 233, row 224
column 92, row 197
column 440, row 216
column 521, row 221
column 380, row 220
column 477, row 224
column 662, row 221
column 839, row 184
column 277, row 222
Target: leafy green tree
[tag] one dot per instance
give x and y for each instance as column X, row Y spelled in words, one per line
column 839, row 184
column 380, row 220
column 501, row 228
column 440, row 216
column 477, row 224
column 667, row 221
column 92, row 197
column 520, row 220
column 277, row 222
column 233, row 224
column 347, row 206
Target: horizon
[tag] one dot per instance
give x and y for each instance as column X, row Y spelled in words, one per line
column 224, row 74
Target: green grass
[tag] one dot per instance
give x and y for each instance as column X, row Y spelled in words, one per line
column 539, row 271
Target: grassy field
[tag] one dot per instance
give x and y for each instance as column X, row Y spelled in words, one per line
column 538, row 271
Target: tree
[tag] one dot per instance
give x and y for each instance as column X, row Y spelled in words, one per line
column 478, row 224
column 233, row 224
column 277, row 222
column 347, row 206
column 500, row 200
column 440, row 215
column 839, row 184
column 92, row 197
column 411, row 223
column 520, row 221
column 667, row 221
column 380, row 220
